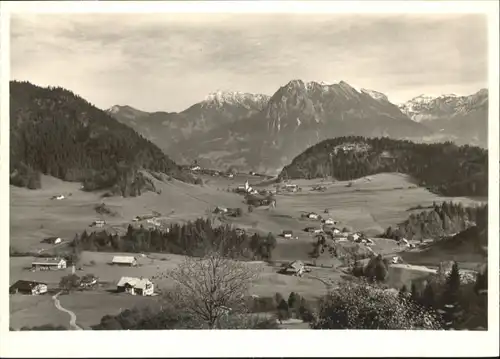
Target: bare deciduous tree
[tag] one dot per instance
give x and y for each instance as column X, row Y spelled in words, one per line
column 211, row 287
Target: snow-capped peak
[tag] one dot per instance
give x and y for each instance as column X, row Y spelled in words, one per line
column 425, row 107
column 379, row 96
column 220, row 98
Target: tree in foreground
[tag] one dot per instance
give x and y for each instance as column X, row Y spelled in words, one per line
column 451, row 310
column 283, row 311
column 376, row 269
column 69, row 283
column 360, row 305
column 211, row 288
column 428, row 298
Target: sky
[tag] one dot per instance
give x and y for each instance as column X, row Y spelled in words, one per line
column 168, row 62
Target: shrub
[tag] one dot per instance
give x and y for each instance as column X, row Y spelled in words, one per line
column 305, row 311
column 283, row 310
column 262, row 304
column 376, row 269
column 363, row 306
column 69, row 282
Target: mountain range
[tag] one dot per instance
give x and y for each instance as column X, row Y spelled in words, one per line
column 462, row 119
column 264, row 133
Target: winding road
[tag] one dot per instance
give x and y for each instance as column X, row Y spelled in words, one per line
column 72, row 321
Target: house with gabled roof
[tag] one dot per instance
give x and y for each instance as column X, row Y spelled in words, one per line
column 48, row 264
column 135, row 286
column 124, row 261
column 296, row 268
column 28, row 287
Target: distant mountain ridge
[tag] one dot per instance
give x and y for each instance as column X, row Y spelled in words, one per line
column 167, row 129
column 463, row 119
column 264, row 133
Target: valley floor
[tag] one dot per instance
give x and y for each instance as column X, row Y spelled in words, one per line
column 370, row 205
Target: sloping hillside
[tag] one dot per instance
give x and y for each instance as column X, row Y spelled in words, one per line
column 55, row 132
column 444, row 168
column 441, row 221
column 469, row 247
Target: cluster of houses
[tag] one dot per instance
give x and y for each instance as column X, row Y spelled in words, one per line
column 317, row 217
column 99, row 223
column 30, row 287
column 348, row 147
column 131, row 285
column 246, row 189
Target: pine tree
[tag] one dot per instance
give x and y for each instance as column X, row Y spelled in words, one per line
column 403, row 292
column 283, row 310
column 451, row 310
column 428, row 299
column 292, row 299
column 481, row 282
column 414, row 293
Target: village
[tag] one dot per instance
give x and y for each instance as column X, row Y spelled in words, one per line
column 317, row 226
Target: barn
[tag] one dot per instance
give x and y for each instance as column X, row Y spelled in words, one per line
column 28, row 287
column 49, row 264
column 124, row 261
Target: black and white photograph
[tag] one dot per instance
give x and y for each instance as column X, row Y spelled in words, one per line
column 213, row 169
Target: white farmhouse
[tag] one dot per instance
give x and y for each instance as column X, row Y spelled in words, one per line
column 135, row 286
column 49, row 264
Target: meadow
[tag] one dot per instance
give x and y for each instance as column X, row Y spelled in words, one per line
column 368, row 204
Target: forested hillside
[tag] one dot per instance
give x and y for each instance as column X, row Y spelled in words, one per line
column 444, row 168
column 55, row 132
column 440, row 221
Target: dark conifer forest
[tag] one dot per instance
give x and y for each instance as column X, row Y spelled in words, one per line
column 55, row 132
column 442, row 220
column 443, row 168
column 193, row 238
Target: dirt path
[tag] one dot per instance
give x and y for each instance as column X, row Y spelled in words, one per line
column 72, row 322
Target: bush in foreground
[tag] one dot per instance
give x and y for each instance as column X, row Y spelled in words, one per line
column 363, row 306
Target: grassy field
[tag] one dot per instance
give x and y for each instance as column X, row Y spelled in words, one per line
column 369, row 205
column 83, row 304
column 32, row 311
